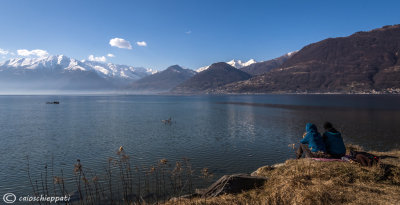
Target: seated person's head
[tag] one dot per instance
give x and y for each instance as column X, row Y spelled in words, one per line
column 328, row 125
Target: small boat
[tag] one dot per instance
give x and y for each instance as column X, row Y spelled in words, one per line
column 54, row 102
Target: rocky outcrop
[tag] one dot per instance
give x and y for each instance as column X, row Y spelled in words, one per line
column 259, row 172
column 233, row 184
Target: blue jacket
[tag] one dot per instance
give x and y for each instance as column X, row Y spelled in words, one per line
column 313, row 139
column 334, row 142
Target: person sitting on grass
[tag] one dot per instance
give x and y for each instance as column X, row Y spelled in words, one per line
column 312, row 144
column 333, row 141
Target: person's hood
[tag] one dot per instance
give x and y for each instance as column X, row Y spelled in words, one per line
column 332, row 130
column 334, row 133
column 311, row 127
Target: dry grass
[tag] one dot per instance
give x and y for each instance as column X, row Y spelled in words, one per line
column 306, row 181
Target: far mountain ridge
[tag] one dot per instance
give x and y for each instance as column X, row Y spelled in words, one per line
column 235, row 63
column 60, row 72
column 62, row 62
column 162, row 81
column 218, row 74
column 265, row 66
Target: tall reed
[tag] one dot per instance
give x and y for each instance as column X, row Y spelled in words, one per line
column 120, row 183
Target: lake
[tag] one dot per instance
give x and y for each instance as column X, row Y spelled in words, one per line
column 226, row 134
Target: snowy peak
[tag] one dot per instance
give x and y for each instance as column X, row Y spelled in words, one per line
column 239, row 64
column 63, row 63
column 266, row 66
column 110, row 70
column 249, row 62
column 291, row 53
column 235, row 63
column 51, row 62
column 202, row 69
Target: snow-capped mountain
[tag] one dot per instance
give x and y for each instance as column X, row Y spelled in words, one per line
column 63, row 63
column 119, row 71
column 291, row 53
column 239, row 64
column 202, row 68
column 62, row 73
column 235, row 63
column 266, row 66
column 51, row 62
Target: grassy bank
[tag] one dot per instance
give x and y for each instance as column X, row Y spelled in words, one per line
column 306, row 181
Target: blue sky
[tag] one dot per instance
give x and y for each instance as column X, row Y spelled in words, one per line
column 191, row 33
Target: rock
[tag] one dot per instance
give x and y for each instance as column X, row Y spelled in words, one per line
column 233, row 184
column 278, row 165
column 261, row 170
column 266, row 168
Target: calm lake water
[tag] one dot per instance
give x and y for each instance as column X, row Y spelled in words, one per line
column 227, row 134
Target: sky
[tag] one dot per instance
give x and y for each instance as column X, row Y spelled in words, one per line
column 192, row 33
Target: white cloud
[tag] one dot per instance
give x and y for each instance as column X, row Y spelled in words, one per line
column 97, row 58
column 141, row 43
column 36, row 52
column 111, row 55
column 188, row 32
column 120, row 43
column 3, row 52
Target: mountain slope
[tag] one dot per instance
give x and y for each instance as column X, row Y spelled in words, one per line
column 217, row 75
column 362, row 62
column 164, row 80
column 265, row 66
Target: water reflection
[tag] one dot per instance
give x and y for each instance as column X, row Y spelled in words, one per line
column 358, row 125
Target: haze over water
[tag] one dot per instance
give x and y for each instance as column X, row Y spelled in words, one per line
column 227, row 134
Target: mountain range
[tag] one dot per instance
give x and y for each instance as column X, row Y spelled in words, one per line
column 61, row 72
column 364, row 62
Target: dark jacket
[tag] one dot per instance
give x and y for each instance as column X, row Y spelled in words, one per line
column 334, row 142
column 313, row 139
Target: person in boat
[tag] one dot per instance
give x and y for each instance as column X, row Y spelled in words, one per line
column 333, row 140
column 312, row 144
